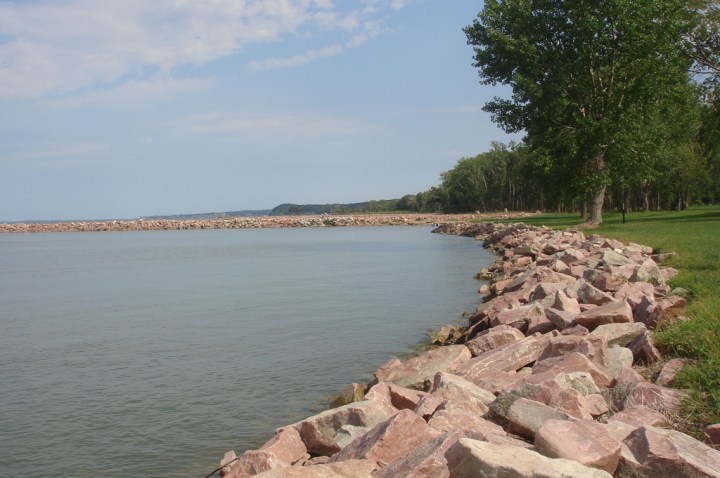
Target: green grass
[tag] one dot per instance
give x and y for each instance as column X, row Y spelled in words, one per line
column 695, row 235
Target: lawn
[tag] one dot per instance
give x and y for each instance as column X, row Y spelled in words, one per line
column 695, row 235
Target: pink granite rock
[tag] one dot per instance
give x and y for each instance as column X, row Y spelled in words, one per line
column 469, row 458
column 670, row 370
column 628, row 376
column 320, row 432
column 526, row 416
column 564, row 303
column 644, row 349
column 661, row 399
column 506, row 358
column 588, row 294
column 394, row 396
column 648, row 272
column 425, row 461
column 712, row 435
column 666, row 309
column 634, row 293
column 560, row 318
column 389, row 440
column 620, row 333
column 573, row 362
column 595, row 348
column 567, row 400
column 612, row 312
column 344, row 469
column 494, row 338
column 473, row 427
column 452, row 391
column 585, row 441
column 668, row 453
column 285, row 449
column 417, row 370
column 640, row 416
column 518, row 318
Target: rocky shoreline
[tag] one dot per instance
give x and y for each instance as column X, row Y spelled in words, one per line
column 543, row 381
column 255, row 222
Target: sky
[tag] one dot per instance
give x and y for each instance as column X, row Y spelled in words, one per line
column 123, row 109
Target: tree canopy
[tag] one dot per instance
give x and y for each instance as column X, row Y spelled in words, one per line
column 595, row 82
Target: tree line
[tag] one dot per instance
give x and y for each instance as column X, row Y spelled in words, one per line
column 618, row 100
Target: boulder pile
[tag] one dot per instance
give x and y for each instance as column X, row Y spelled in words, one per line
column 541, row 383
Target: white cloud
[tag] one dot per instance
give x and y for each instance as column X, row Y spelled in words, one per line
column 297, row 60
column 70, row 155
column 62, row 47
column 309, row 125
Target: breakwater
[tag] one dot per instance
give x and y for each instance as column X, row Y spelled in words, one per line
column 326, row 220
column 544, row 380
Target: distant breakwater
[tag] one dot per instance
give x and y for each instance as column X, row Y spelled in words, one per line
column 326, row 220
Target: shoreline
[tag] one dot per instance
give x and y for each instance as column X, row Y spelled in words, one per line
column 554, row 351
column 255, row 222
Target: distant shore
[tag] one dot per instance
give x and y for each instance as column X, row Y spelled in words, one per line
column 258, row 222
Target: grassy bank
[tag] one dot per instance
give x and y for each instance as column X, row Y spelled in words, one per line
column 695, row 235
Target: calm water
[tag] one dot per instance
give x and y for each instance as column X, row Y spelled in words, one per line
column 153, row 353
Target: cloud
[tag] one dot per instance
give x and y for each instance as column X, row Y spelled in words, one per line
column 135, row 92
column 70, row 155
column 61, row 47
column 297, row 60
column 309, row 125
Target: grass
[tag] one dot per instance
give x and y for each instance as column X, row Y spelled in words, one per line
column 695, row 235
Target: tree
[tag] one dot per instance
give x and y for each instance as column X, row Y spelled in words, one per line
column 583, row 72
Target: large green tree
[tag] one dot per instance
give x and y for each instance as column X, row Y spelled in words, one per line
column 583, row 74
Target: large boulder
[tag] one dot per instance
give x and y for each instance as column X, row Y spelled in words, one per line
column 389, row 440
column 320, row 432
column 584, row 441
column 469, row 458
column 663, row 453
column 609, row 313
column 415, row 372
column 621, row 334
column 506, row 358
column 344, row 469
column 452, row 391
column 526, row 416
column 493, row 338
column 425, row 461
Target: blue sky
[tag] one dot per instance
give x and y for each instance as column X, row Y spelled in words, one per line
column 122, row 109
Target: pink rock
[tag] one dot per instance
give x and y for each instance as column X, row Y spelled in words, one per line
column 526, row 416
column 394, row 396
column 425, row 461
column 644, row 350
column 661, row 399
column 608, row 282
column 666, row 309
column 506, row 358
column 285, row 449
column 576, row 330
column 598, row 406
column 628, row 376
column 613, row 312
column 494, row 338
column 588, row 294
column 469, row 458
column 567, row 400
column 417, row 370
column 640, row 416
column 389, row 440
column 454, row 392
column 648, row 272
column 320, row 432
column 344, row 469
column 634, row 293
column 574, row 362
column 593, row 347
column 566, row 304
column 669, row 453
column 712, row 434
column 473, row 427
column 518, row 318
column 670, row 370
column 540, row 325
column 585, row 441
column 621, row 333
column 498, row 382
column 560, row 319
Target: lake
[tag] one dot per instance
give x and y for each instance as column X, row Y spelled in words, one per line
column 152, row 353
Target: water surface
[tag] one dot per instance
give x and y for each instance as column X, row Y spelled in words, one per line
column 153, row 353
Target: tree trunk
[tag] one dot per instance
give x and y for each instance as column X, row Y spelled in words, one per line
column 596, row 206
